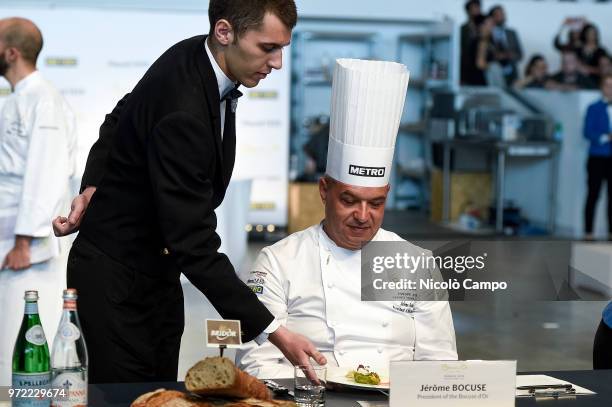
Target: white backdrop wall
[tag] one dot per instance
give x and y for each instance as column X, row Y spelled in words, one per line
column 96, row 56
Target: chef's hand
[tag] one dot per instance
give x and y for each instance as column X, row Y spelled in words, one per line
column 63, row 226
column 297, row 349
column 19, row 256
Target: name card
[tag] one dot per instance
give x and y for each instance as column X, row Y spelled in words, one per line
column 472, row 383
column 223, row 332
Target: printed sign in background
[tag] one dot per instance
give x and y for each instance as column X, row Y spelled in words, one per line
column 96, row 56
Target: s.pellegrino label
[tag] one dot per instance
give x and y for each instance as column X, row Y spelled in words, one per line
column 31, row 361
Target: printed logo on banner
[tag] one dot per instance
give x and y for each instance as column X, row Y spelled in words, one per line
column 61, row 61
column 360, row 171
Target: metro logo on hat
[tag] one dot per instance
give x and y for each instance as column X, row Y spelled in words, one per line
column 367, row 104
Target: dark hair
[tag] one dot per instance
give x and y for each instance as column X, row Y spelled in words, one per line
column 471, row 3
column 585, row 29
column 532, row 61
column 494, row 9
column 478, row 20
column 29, row 42
column 244, row 15
column 604, row 78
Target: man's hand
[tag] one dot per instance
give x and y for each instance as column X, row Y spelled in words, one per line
column 297, row 349
column 63, row 226
column 19, row 256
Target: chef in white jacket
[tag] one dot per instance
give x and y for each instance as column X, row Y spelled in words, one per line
column 37, row 146
column 311, row 280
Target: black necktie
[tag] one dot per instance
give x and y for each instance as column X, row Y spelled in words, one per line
column 232, row 95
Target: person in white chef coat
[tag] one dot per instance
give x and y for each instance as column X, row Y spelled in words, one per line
column 311, row 280
column 37, row 146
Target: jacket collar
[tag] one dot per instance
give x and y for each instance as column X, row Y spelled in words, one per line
column 211, row 90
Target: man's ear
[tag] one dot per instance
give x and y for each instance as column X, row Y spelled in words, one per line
column 223, row 32
column 12, row 54
column 323, row 188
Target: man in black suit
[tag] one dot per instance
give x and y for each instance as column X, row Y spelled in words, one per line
column 469, row 36
column 161, row 166
column 508, row 50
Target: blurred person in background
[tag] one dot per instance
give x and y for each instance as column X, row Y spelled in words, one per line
column 570, row 31
column 570, row 78
column 598, row 130
column 469, row 35
column 590, row 52
column 37, row 161
column 508, row 51
column 605, row 65
column 602, row 348
column 536, row 74
column 489, row 71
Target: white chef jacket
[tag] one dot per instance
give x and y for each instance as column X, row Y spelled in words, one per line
column 314, row 288
column 37, row 160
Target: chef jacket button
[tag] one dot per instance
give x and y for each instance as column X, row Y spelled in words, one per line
column 385, row 324
column 380, row 349
column 330, row 285
column 332, row 323
column 342, row 352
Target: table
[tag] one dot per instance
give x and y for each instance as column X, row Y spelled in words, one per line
column 600, row 381
column 503, row 150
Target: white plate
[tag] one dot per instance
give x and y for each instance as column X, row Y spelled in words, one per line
column 337, row 375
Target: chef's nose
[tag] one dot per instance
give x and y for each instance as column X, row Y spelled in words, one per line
column 361, row 213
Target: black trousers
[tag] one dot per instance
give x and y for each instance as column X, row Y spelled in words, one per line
column 602, row 348
column 599, row 169
column 132, row 323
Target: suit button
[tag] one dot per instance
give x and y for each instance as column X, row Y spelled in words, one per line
column 165, row 251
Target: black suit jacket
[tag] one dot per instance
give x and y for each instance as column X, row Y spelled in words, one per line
column 161, row 169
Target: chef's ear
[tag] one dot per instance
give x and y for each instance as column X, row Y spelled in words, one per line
column 223, row 32
column 324, row 185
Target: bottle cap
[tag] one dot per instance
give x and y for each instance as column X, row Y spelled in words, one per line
column 70, row 294
column 31, row 296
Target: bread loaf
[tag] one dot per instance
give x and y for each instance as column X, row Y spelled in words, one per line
column 171, row 398
column 218, row 376
column 168, row 398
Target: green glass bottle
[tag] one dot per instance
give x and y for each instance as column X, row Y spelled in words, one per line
column 31, row 361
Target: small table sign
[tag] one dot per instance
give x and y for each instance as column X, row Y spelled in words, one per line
column 223, row 333
column 472, row 383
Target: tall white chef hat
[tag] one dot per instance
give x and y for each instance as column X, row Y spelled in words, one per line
column 366, row 108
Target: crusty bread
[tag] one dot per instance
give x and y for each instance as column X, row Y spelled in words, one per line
column 261, row 403
column 168, row 398
column 171, row 398
column 218, row 376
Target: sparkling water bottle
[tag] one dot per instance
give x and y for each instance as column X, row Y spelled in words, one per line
column 69, row 357
column 31, row 372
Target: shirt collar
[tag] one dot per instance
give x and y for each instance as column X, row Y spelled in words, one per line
column 225, row 84
column 24, row 82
